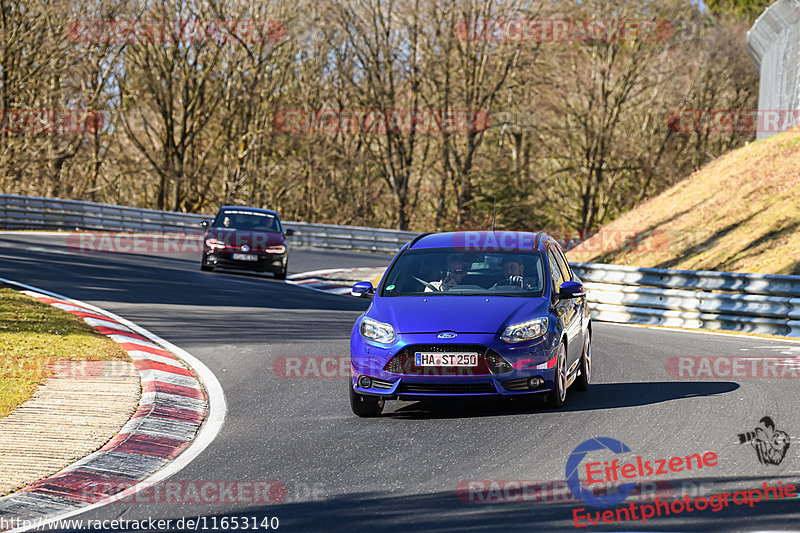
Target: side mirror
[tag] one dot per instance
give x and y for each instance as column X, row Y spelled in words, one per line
column 289, row 232
column 363, row 289
column 570, row 289
column 205, row 224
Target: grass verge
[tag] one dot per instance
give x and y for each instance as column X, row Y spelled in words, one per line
column 34, row 336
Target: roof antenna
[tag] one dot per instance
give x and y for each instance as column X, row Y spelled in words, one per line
column 494, row 209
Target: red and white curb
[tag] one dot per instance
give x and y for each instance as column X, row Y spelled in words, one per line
column 180, row 412
column 320, row 280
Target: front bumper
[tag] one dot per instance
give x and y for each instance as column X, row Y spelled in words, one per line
column 393, row 381
column 265, row 263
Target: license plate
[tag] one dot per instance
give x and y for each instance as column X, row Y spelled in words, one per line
column 445, row 359
column 245, row 257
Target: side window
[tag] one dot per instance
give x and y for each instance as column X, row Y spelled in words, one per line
column 563, row 264
column 555, row 271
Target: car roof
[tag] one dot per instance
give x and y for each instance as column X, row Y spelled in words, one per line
column 251, row 209
column 460, row 238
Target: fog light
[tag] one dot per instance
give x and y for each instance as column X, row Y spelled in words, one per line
column 364, row 382
column 535, row 382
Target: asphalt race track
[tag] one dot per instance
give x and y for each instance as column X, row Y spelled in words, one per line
column 400, row 472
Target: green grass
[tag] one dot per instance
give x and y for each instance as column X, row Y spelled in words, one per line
column 34, row 335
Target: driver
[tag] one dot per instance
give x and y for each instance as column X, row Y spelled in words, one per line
column 456, row 272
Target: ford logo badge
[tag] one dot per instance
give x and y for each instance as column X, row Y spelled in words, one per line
column 446, row 335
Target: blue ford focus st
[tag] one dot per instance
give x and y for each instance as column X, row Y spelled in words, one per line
column 477, row 313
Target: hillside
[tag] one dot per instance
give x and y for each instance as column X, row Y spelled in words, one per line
column 740, row 213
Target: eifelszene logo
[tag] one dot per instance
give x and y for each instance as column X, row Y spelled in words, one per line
column 770, row 444
column 615, row 471
column 574, row 482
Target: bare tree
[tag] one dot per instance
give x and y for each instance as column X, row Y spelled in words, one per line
column 578, row 130
column 467, row 70
column 384, row 39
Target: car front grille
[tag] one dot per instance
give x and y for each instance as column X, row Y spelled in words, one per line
column 446, row 388
column 489, row 362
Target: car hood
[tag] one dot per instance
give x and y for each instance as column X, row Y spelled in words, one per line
column 463, row 314
column 256, row 240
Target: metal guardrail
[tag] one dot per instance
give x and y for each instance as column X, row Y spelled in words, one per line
column 702, row 280
column 755, row 303
column 348, row 237
column 774, row 42
column 39, row 213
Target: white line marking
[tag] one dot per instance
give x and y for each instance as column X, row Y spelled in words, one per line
column 330, row 271
column 97, row 323
column 64, row 307
column 138, row 355
column 124, row 339
column 167, row 378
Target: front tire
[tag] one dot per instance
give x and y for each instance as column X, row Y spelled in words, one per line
column 281, row 274
column 582, row 382
column 365, row 406
column 558, row 395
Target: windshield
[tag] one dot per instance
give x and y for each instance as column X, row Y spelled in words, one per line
column 246, row 220
column 448, row 271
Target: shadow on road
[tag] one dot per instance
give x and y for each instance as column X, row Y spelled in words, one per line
column 128, row 278
column 445, row 511
column 600, row 396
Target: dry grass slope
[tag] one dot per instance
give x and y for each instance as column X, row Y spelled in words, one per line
column 741, row 213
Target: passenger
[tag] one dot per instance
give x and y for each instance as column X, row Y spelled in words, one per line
column 514, row 270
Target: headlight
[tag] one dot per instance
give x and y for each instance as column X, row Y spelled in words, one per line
column 275, row 249
column 377, row 331
column 214, row 244
column 525, row 331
